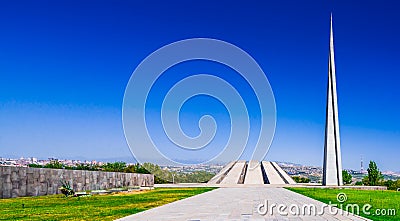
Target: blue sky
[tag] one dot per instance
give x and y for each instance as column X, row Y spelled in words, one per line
column 64, row 66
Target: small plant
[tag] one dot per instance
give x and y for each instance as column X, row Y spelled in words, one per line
column 66, row 189
column 300, row 179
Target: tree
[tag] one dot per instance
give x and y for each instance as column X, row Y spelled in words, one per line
column 163, row 175
column 114, row 167
column 346, row 177
column 160, row 175
column 136, row 168
column 54, row 164
column 299, row 179
column 374, row 175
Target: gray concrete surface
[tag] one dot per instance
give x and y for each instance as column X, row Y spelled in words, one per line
column 283, row 173
column 221, row 175
column 272, row 174
column 243, row 204
column 305, row 185
column 253, row 173
column 234, row 174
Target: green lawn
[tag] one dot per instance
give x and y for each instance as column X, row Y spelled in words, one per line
column 97, row 207
column 381, row 201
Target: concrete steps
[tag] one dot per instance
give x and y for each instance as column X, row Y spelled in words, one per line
column 253, row 172
column 234, row 174
column 272, row 174
column 283, row 174
column 221, row 175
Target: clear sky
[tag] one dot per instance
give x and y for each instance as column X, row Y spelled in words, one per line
column 64, row 66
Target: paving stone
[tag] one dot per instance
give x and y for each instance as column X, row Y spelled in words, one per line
column 237, row 204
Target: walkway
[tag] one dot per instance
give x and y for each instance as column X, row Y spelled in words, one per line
column 242, row 204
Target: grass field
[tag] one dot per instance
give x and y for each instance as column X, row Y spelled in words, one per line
column 97, row 207
column 381, row 201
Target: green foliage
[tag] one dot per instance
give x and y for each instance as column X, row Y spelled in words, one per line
column 378, row 199
column 299, row 179
column 359, row 183
column 160, row 175
column 66, row 189
column 82, row 166
column 374, row 175
column 158, row 180
column 114, row 167
column 392, row 184
column 346, row 177
column 54, row 164
column 194, row 177
column 136, row 168
column 165, row 176
column 108, row 167
column 96, row 207
column 365, row 181
column 33, row 165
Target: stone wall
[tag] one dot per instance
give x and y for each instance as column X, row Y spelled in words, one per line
column 22, row 181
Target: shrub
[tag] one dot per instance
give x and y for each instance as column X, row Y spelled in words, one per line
column 33, row 165
column 82, row 166
column 359, row 183
column 299, row 179
column 54, row 164
column 392, row 184
column 66, row 189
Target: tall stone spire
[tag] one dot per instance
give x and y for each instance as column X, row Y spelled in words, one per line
column 332, row 171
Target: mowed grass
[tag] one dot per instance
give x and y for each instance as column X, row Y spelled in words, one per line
column 97, row 207
column 382, row 201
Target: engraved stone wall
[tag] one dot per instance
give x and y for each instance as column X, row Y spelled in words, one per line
column 22, row 181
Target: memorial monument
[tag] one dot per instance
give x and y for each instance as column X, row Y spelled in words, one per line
column 332, row 169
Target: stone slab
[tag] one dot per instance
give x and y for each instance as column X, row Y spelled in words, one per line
column 284, row 174
column 234, row 174
column 220, row 175
column 253, row 173
column 272, row 174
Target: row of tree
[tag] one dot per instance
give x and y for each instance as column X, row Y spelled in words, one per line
column 160, row 175
column 373, row 178
column 165, row 176
column 108, row 167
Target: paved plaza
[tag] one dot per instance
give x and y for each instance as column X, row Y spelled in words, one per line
column 244, row 204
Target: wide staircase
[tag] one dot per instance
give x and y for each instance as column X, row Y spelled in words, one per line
column 252, row 172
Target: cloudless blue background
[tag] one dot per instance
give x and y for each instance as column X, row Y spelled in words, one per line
column 64, row 66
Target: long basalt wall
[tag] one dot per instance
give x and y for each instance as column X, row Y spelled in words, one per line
column 22, row 181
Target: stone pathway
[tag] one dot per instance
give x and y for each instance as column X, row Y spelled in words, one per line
column 244, row 204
